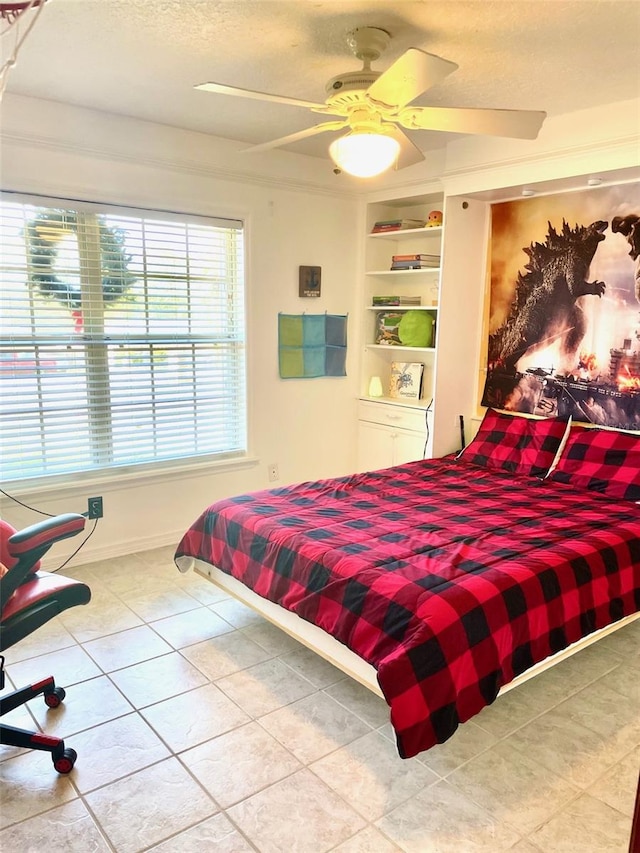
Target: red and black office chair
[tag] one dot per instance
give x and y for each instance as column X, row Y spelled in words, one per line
column 29, row 598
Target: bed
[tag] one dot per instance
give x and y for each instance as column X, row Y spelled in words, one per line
column 441, row 582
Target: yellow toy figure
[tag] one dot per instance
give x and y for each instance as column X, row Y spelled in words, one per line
column 434, row 220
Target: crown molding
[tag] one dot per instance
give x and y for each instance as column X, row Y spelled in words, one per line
column 596, row 157
column 186, row 166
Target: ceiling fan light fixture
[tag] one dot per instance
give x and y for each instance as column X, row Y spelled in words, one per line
column 364, row 155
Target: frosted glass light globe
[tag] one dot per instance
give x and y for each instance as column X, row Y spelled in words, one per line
column 364, row 155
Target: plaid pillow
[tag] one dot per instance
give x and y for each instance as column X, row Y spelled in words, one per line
column 516, row 444
column 601, row 460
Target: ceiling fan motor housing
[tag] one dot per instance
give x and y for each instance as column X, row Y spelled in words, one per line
column 350, row 81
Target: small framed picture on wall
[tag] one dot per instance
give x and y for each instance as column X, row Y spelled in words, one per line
column 309, row 281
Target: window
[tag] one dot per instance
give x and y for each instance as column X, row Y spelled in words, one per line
column 121, row 338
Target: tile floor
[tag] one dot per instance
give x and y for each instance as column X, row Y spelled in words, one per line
column 199, row 726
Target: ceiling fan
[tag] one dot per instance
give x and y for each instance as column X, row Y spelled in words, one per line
column 376, row 105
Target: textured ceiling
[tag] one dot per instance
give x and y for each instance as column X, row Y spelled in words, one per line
column 141, row 58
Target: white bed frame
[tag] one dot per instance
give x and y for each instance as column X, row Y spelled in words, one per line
column 339, row 655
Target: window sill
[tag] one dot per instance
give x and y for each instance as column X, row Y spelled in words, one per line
column 117, row 478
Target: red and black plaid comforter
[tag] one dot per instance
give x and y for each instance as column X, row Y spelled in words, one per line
column 448, row 578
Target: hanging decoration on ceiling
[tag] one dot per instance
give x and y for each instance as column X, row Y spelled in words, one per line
column 10, row 15
column 44, row 235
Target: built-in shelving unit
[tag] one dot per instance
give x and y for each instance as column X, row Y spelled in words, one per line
column 394, row 430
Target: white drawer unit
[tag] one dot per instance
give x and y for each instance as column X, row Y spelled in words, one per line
column 391, row 434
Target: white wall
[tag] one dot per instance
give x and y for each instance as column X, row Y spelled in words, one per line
column 295, row 214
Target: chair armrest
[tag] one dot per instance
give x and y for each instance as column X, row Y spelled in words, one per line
column 27, row 546
column 43, row 534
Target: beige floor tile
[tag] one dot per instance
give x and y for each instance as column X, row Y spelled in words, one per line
column 441, row 820
column 30, row 786
column 468, row 741
column 371, row 777
column 187, row 629
column 216, row 835
column 160, row 678
column 127, row 648
column 160, row 604
column 314, row 726
column 87, row 704
column 240, row 763
column 312, row 667
column 236, row 613
column 272, row 639
column 49, row 638
column 113, row 750
column 520, row 705
column 150, row 806
column 625, row 679
column 264, row 687
column 561, row 744
column 360, row 701
column 513, row 787
column 625, row 642
column 617, row 787
column 139, row 581
column 369, row 840
column 97, row 620
column 223, row 655
column 524, row 847
column 297, row 814
column 194, row 717
column 586, row 825
column 602, row 710
column 69, row 827
column 161, row 557
column 201, row 588
column 68, row 666
column 21, row 719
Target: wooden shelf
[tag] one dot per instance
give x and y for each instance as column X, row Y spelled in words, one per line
column 409, row 232
column 422, row 403
column 399, row 348
column 404, row 272
column 402, row 307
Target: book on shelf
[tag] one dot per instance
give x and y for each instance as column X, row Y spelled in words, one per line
column 418, row 257
column 387, row 323
column 396, row 300
column 397, row 225
column 406, row 380
column 414, row 265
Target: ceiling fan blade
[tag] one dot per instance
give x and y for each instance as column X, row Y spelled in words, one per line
column 409, row 153
column 520, row 124
column 221, row 89
column 301, row 134
column 409, row 76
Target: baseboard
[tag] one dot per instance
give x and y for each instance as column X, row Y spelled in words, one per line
column 105, row 551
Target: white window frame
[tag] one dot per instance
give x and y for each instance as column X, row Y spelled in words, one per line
column 107, row 470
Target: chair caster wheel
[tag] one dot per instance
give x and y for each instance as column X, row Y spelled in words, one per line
column 65, row 763
column 53, row 699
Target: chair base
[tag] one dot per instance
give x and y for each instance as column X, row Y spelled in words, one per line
column 63, row 757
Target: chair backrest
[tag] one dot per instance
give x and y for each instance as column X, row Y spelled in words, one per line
column 7, row 560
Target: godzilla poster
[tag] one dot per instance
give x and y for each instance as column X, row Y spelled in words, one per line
column 564, row 313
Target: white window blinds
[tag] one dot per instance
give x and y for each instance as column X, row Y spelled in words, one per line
column 121, row 338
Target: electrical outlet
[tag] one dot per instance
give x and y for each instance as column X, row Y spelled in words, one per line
column 95, row 508
column 273, row 472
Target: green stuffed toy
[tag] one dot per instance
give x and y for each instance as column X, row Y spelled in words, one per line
column 416, row 329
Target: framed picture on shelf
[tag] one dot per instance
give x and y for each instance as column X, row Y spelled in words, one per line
column 406, row 380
